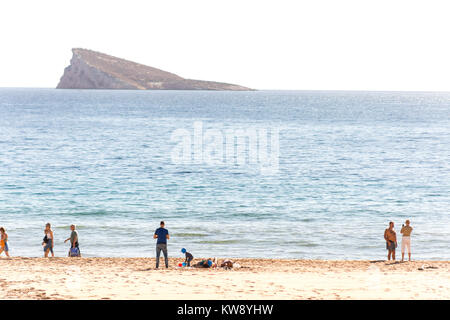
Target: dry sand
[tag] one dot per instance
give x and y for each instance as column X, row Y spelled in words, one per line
column 135, row 278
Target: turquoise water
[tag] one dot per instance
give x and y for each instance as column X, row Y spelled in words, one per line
column 349, row 162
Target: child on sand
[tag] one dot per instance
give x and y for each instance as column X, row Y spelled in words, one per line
column 189, row 257
column 4, row 241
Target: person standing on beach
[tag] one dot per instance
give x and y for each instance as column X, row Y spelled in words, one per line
column 162, row 235
column 48, row 241
column 4, row 241
column 406, row 239
column 391, row 240
column 73, row 242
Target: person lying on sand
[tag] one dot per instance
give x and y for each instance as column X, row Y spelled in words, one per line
column 4, row 241
column 208, row 263
column 203, row 264
column 391, row 240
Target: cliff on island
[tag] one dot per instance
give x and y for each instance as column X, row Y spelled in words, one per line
column 94, row 70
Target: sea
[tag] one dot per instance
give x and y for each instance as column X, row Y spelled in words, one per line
column 258, row 174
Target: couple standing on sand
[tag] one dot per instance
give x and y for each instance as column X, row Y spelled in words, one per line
column 391, row 240
column 48, row 241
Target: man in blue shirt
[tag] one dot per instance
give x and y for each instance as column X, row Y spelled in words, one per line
column 162, row 235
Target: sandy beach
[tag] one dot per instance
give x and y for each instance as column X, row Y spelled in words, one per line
column 136, row 278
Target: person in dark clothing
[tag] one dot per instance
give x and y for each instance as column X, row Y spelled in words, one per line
column 189, row 257
column 162, row 235
column 208, row 263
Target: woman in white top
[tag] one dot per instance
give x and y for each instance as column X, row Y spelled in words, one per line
column 48, row 240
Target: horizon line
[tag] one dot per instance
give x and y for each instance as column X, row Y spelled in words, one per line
column 254, row 90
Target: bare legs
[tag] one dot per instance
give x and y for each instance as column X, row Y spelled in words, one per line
column 391, row 253
column 6, row 252
column 50, row 249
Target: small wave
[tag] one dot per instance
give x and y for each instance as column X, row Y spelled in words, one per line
column 307, row 219
column 304, row 244
column 89, row 213
column 220, row 241
column 363, row 247
column 190, row 235
column 12, row 187
column 67, row 226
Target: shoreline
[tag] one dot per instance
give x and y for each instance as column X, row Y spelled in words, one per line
column 136, row 278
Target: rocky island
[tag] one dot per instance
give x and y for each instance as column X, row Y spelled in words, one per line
column 94, row 70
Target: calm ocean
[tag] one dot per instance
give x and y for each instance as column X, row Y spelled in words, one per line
column 348, row 163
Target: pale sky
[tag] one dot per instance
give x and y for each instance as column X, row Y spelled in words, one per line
column 305, row 45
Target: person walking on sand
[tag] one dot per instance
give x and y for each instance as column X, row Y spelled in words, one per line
column 4, row 241
column 48, row 240
column 74, row 250
column 162, row 235
column 391, row 240
column 406, row 239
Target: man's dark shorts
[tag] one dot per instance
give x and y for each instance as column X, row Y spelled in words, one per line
column 390, row 245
